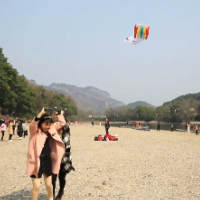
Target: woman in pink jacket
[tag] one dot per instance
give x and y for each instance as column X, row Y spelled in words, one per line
column 45, row 151
column 3, row 129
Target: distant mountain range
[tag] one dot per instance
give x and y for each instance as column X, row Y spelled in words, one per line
column 90, row 98
column 87, row 98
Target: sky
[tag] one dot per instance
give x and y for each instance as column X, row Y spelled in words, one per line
column 81, row 43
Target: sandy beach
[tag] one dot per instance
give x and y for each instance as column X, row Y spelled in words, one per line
column 140, row 166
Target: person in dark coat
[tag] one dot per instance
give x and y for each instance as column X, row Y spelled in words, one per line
column 158, row 126
column 20, row 130
column 107, row 125
column 66, row 163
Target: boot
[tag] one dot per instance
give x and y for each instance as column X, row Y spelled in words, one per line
column 60, row 194
column 54, row 196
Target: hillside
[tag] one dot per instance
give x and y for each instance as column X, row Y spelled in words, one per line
column 87, row 98
column 139, row 103
column 189, row 98
column 183, row 108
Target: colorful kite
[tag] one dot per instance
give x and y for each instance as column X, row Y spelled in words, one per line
column 140, row 33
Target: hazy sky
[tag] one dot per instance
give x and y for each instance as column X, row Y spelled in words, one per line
column 81, row 43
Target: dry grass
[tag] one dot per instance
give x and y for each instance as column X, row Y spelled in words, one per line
column 141, row 165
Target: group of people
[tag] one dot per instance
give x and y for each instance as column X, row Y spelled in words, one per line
column 17, row 125
column 195, row 128
column 188, row 125
column 50, row 139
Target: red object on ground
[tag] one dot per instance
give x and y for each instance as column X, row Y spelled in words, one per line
column 106, row 137
column 110, row 137
column 100, row 138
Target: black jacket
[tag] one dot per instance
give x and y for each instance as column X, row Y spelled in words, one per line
column 19, row 127
column 66, row 160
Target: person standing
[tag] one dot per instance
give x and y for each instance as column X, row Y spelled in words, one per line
column 3, row 129
column 188, row 127
column 107, row 125
column 10, row 130
column 172, row 127
column 66, row 163
column 158, row 126
column 24, row 128
column 14, row 125
column 7, row 122
column 19, row 129
column 48, row 151
column 196, row 129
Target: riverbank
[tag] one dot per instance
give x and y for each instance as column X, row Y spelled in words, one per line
column 141, row 165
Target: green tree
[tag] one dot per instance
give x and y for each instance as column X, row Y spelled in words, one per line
column 25, row 98
column 8, row 78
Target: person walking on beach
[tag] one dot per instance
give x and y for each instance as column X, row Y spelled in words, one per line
column 188, row 127
column 66, row 164
column 196, row 129
column 3, row 129
column 7, row 122
column 107, row 125
column 20, row 129
column 158, row 126
column 172, row 127
column 14, row 125
column 24, row 128
column 48, row 151
column 10, row 130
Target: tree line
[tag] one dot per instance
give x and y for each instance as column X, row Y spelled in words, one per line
column 183, row 110
column 140, row 113
column 20, row 98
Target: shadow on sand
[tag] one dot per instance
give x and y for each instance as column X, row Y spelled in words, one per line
column 24, row 194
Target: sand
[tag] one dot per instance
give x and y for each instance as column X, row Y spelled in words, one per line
column 140, row 166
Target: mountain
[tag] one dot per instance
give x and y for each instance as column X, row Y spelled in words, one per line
column 87, row 98
column 139, row 103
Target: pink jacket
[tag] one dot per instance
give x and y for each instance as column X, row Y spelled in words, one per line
column 3, row 127
column 36, row 143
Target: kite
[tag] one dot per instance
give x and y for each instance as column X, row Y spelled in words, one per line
column 140, row 33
